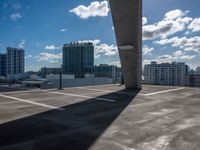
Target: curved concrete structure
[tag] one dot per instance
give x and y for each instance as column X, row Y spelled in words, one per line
column 127, row 20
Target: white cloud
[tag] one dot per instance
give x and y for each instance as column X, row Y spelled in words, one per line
column 195, row 25
column 22, row 43
column 187, row 44
column 52, row 47
column 144, row 20
column 95, row 42
column 105, row 50
column 177, row 53
column 165, row 58
column 102, row 49
column 147, row 50
column 96, row 8
column 28, row 56
column 182, row 55
column 174, row 14
column 49, row 57
column 168, row 58
column 63, row 30
column 187, row 57
column 15, row 16
column 173, row 22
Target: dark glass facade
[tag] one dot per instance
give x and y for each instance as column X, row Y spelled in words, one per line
column 105, row 70
column 77, row 57
column 3, row 66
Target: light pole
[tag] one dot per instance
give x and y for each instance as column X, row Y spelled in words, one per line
column 60, row 79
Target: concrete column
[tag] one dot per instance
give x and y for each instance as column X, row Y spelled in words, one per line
column 127, row 20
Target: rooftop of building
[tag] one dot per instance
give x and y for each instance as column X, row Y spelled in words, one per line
column 103, row 117
column 166, row 63
column 72, row 44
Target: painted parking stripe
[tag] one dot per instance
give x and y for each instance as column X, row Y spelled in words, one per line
column 83, row 96
column 128, row 93
column 109, row 91
column 31, row 102
column 165, row 91
column 97, row 90
column 27, row 91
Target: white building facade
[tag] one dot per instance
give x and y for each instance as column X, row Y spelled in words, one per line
column 166, row 73
column 15, row 61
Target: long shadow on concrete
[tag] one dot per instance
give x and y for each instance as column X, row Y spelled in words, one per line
column 75, row 128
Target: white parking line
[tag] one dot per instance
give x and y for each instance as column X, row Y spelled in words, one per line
column 165, row 91
column 27, row 91
column 83, row 96
column 97, row 90
column 106, row 91
column 148, row 94
column 31, row 102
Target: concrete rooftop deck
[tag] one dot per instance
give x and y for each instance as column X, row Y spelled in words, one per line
column 101, row 118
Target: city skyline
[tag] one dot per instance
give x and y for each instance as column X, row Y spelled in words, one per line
column 170, row 32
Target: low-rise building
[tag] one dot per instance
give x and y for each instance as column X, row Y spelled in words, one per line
column 47, row 71
column 105, row 70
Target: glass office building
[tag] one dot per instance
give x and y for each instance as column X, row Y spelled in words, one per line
column 76, row 57
column 3, row 66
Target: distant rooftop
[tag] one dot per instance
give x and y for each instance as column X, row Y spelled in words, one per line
column 78, row 43
column 167, row 63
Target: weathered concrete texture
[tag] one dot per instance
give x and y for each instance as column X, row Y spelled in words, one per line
column 127, row 20
column 133, row 121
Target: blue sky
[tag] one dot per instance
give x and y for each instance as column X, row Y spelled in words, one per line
column 171, row 30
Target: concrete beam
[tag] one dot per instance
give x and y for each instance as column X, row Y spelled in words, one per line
column 127, row 20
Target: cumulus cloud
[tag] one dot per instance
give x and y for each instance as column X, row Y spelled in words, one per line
column 195, row 25
column 177, row 53
column 147, row 50
column 173, row 22
column 144, row 20
column 182, row 55
column 105, row 50
column 52, row 47
column 52, row 58
column 22, row 43
column 165, row 58
column 185, row 43
column 95, row 42
column 102, row 49
column 174, row 14
column 15, row 16
column 187, row 57
column 96, row 8
column 168, row 58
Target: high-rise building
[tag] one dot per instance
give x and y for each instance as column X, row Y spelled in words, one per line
column 198, row 69
column 3, row 66
column 76, row 57
column 15, row 61
column 166, row 73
